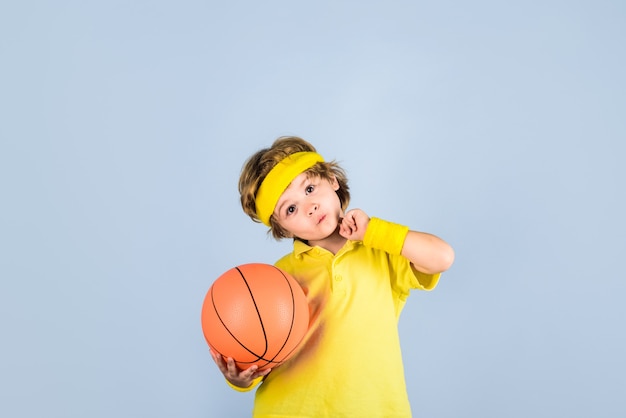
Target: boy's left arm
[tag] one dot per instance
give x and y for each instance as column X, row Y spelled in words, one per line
column 428, row 253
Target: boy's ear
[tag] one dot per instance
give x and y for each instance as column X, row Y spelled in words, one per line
column 334, row 183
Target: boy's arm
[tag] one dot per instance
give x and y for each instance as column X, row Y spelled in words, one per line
column 428, row 253
column 240, row 380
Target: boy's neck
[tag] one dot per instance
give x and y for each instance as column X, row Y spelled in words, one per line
column 332, row 243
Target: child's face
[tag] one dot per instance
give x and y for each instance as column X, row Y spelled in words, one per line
column 309, row 208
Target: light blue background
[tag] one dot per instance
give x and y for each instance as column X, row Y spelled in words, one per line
column 499, row 126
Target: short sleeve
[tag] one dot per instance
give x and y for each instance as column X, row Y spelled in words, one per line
column 405, row 277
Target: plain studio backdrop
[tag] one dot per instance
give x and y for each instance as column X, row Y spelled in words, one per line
column 499, row 126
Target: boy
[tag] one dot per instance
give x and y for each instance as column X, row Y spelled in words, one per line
column 357, row 272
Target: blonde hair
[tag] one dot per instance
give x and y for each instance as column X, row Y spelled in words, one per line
column 256, row 168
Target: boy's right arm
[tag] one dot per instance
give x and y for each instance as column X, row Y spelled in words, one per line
column 241, row 380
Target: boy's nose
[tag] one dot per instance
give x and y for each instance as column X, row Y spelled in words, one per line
column 312, row 209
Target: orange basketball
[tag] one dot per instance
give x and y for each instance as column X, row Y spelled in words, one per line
column 256, row 314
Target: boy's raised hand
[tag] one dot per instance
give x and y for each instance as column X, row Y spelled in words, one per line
column 240, row 378
column 353, row 225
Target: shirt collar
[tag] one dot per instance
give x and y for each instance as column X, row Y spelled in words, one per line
column 300, row 247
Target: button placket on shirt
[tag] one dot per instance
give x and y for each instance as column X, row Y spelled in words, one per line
column 339, row 284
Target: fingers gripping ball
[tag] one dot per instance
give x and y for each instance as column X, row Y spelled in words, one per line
column 256, row 314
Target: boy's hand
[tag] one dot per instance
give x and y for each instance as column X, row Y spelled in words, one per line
column 353, row 225
column 239, row 378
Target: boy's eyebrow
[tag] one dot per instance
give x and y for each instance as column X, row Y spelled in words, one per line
column 279, row 208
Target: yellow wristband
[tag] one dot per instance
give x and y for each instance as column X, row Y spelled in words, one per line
column 249, row 388
column 386, row 236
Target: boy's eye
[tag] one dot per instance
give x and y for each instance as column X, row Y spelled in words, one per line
column 310, row 189
column 291, row 209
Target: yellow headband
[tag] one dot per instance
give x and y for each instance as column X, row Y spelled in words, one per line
column 279, row 178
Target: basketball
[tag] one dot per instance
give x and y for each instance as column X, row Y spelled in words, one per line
column 255, row 313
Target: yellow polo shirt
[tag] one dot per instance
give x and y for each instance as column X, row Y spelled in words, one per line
column 349, row 364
